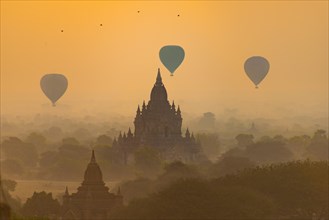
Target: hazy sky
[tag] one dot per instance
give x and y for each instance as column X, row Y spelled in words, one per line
column 113, row 67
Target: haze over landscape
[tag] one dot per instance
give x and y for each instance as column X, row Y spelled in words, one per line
column 221, row 142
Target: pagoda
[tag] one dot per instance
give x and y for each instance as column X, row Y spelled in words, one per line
column 92, row 201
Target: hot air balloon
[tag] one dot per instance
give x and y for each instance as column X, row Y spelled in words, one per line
column 256, row 68
column 53, row 86
column 172, row 56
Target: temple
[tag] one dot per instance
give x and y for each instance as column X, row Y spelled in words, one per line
column 93, row 199
column 158, row 124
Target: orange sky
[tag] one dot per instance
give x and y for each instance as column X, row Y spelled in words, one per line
column 112, row 68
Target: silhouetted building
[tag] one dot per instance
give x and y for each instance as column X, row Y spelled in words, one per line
column 93, row 199
column 253, row 129
column 158, row 124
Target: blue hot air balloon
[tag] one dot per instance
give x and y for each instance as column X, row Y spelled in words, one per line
column 256, row 68
column 53, row 86
column 172, row 56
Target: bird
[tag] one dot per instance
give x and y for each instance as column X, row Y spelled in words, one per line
column 62, row 30
column 101, row 25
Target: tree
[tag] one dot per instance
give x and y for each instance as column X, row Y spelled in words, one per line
column 14, row 148
column 68, row 163
column 270, row 151
column 6, row 187
column 244, row 139
column 41, row 204
column 175, row 171
column 147, row 160
column 288, row 184
column 137, row 188
column 70, row 141
column 12, row 167
column 299, row 142
column 319, row 136
column 54, row 133
column 280, row 138
column 210, row 144
column 36, row 139
column 104, row 140
column 81, row 133
column 230, row 165
column 293, row 190
column 234, row 152
column 197, row 199
column 318, row 148
column 208, row 120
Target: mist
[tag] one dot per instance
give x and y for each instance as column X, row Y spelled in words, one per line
column 127, row 138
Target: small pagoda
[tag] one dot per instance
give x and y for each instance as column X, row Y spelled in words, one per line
column 92, row 201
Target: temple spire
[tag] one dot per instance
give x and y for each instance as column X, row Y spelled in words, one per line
column 187, row 134
column 159, row 79
column 138, row 110
column 178, row 111
column 173, row 107
column 130, row 134
column 120, row 138
column 66, row 191
column 93, row 159
column 115, row 142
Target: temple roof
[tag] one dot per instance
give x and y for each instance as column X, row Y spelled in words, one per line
column 93, row 174
column 159, row 92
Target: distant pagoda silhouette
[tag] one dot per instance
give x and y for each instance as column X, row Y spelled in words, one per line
column 93, row 201
column 158, row 124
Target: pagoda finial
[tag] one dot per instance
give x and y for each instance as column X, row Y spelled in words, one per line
column 66, row 191
column 93, row 159
column 129, row 134
column 120, row 138
column 178, row 111
column 138, row 110
column 187, row 134
column 173, row 107
column 159, row 79
column 115, row 142
column 192, row 137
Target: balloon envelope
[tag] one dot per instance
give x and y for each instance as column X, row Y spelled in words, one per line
column 256, row 68
column 172, row 56
column 53, row 86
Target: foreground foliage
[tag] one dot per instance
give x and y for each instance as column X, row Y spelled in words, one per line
column 293, row 190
